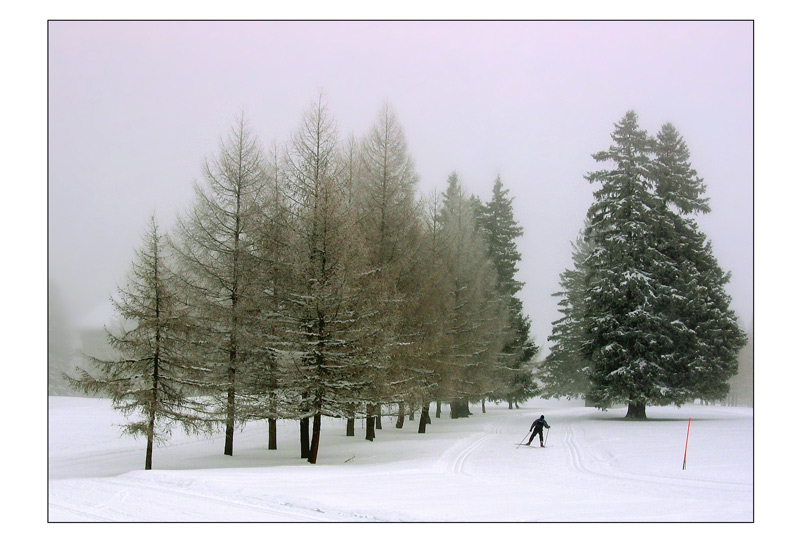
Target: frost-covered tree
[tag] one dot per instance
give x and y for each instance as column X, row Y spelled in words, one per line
column 215, row 256
column 496, row 221
column 388, row 220
column 265, row 371
column 657, row 322
column 153, row 379
column 676, row 182
column 626, row 332
column 433, row 310
column 332, row 326
column 705, row 335
column 477, row 323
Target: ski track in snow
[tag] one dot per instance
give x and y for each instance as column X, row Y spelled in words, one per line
column 577, row 463
column 257, row 510
column 86, row 517
column 456, row 463
column 580, row 451
column 172, row 493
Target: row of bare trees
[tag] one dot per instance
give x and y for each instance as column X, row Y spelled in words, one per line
column 305, row 281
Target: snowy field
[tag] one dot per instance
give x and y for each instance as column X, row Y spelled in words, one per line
column 596, row 468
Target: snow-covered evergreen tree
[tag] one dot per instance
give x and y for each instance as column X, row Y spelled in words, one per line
column 265, row 371
column 332, row 328
column 496, row 221
column 657, row 322
column 389, row 222
column 705, row 334
column 477, row 316
column 153, row 380
column 625, row 328
column 215, row 255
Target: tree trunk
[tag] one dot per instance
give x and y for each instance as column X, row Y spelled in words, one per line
column 229, row 422
column 459, row 408
column 378, row 417
column 438, row 409
column 510, row 404
column 148, row 459
column 273, row 433
column 304, row 442
column 351, row 426
column 411, row 414
column 483, row 406
column 401, row 416
column 636, row 410
column 312, row 456
column 370, row 422
column 424, row 418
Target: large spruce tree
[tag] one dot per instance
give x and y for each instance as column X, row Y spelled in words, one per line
column 705, row 336
column 646, row 313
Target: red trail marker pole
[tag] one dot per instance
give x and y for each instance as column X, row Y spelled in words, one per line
column 687, row 443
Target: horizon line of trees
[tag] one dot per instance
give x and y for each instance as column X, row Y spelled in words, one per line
column 312, row 280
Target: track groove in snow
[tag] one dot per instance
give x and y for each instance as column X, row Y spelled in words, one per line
column 215, row 500
column 457, row 466
column 596, row 468
column 576, row 462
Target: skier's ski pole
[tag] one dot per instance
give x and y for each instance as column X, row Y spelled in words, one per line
column 545, row 437
column 522, row 442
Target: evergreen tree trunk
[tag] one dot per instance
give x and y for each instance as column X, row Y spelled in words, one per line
column 424, row 418
column 411, row 414
column 510, row 403
column 636, row 410
column 304, row 438
column 483, row 405
column 459, row 408
column 370, row 422
column 351, row 426
column 151, row 425
column 148, row 459
column 438, row 409
column 378, row 417
column 401, row 416
column 312, row 456
column 231, row 412
column 273, row 424
column 273, row 433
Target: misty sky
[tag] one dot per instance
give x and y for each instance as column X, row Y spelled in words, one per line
column 134, row 107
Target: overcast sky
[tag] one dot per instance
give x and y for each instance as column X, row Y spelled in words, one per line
column 134, row 107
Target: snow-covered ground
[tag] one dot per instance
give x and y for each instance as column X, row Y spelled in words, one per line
column 596, row 467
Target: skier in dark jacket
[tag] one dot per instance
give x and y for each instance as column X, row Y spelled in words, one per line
column 536, row 428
